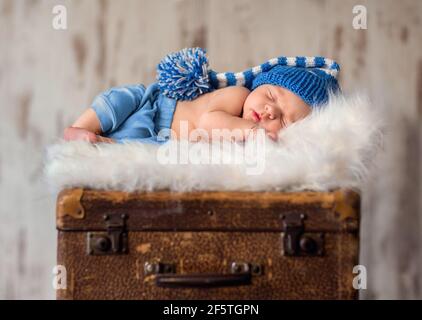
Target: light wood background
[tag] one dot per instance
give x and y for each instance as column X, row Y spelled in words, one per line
column 48, row 77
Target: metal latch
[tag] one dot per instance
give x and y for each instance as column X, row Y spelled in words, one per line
column 298, row 243
column 245, row 267
column 114, row 241
column 158, row 267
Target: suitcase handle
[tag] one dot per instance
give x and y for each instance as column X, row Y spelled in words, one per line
column 202, row 280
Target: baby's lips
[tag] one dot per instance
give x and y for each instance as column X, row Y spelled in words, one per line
column 255, row 116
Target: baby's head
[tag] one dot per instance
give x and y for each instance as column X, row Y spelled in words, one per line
column 274, row 107
column 284, row 95
column 283, row 89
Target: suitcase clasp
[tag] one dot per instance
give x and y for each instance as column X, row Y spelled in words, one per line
column 298, row 243
column 114, row 241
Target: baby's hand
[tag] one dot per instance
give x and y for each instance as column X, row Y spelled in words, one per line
column 254, row 132
column 273, row 136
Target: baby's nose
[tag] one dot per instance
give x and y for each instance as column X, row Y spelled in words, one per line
column 269, row 111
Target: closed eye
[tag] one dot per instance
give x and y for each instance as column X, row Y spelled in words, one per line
column 283, row 124
column 270, row 95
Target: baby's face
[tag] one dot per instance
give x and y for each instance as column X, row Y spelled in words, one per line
column 274, row 108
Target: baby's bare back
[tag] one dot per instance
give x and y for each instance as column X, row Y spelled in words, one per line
column 220, row 109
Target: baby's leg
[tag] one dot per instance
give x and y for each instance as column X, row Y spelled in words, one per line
column 85, row 128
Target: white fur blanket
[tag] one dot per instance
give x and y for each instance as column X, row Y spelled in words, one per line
column 330, row 148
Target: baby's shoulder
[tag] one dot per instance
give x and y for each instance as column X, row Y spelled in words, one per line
column 229, row 99
column 232, row 92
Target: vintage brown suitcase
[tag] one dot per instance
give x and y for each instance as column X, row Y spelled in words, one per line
column 208, row 245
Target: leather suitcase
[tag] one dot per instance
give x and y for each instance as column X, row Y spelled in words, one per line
column 208, row 245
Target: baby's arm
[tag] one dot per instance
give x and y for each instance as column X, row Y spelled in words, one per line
column 218, row 119
column 223, row 112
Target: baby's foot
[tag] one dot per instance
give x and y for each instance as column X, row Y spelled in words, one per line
column 73, row 133
column 105, row 139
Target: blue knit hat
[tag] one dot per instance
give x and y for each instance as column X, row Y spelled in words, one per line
column 185, row 75
column 311, row 84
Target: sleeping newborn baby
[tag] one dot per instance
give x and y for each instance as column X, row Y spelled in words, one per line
column 270, row 97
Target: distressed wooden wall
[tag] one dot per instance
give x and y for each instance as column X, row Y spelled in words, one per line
column 48, row 77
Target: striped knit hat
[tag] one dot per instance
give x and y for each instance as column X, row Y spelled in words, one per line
column 185, row 75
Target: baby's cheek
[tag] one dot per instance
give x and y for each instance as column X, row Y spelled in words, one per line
column 273, row 127
column 245, row 113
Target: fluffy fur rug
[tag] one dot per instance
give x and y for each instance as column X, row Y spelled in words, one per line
column 328, row 149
